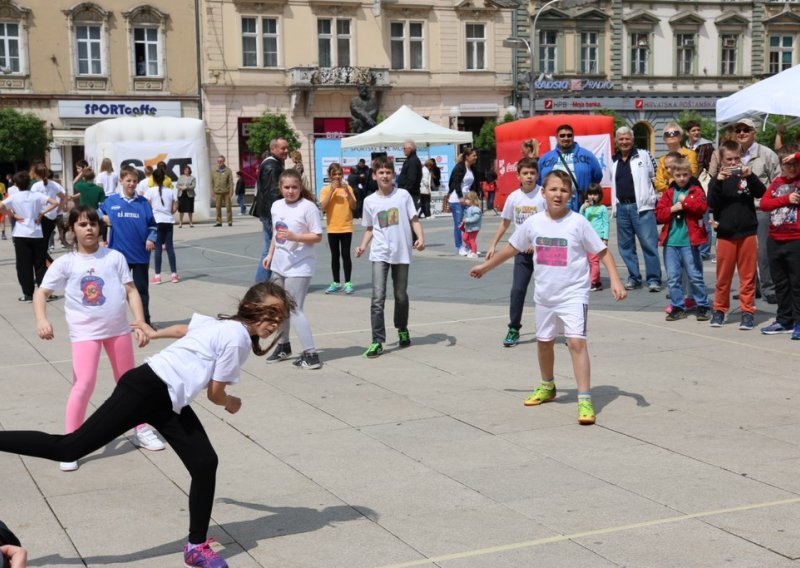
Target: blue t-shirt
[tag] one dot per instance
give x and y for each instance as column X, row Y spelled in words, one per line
column 132, row 225
column 678, row 231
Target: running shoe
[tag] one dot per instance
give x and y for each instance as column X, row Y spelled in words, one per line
column 585, row 412
column 676, row 314
column 156, row 279
column 631, row 285
column 333, row 288
column 25, row 298
column 348, row 288
column 512, row 337
column 308, row 361
column 717, row 319
column 374, row 350
column 202, row 556
column 596, row 287
column 796, row 332
column 282, row 352
column 541, row 395
column 68, row 466
column 748, row 322
column 144, row 437
column 703, row 313
column 775, row 328
column 405, row 337
column 174, row 278
column 654, row 288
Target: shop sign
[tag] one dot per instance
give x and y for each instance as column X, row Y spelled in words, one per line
column 113, row 109
column 574, row 85
column 631, row 103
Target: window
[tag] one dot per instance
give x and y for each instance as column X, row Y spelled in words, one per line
column 590, row 47
column 146, row 52
column 333, row 42
column 728, row 54
column 780, row 53
column 89, row 49
column 476, row 47
column 640, row 53
column 406, row 45
column 547, row 51
column 265, row 53
column 685, row 54
column 9, row 47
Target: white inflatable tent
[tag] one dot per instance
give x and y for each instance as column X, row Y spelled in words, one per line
column 145, row 141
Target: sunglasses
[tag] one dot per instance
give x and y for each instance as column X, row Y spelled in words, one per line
column 565, row 135
column 744, row 130
column 670, row 133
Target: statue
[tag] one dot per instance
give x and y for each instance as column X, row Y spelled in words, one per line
column 363, row 110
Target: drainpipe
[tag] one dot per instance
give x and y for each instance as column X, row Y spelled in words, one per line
column 197, row 62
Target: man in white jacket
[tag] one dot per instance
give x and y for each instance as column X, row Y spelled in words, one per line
column 633, row 200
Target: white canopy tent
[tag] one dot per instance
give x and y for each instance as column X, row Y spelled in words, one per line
column 773, row 95
column 405, row 124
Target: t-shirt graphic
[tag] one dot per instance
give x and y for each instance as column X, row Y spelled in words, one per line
column 92, row 289
column 280, row 226
column 784, row 218
column 570, row 160
column 551, row 252
column 522, row 212
column 388, row 218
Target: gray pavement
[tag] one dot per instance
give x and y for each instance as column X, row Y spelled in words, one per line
column 426, row 456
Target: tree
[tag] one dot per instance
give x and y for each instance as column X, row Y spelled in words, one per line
column 619, row 121
column 766, row 136
column 708, row 128
column 23, row 137
column 268, row 127
column 485, row 137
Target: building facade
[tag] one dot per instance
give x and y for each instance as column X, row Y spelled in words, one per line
column 73, row 64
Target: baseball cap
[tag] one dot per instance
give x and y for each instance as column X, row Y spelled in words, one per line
column 747, row 122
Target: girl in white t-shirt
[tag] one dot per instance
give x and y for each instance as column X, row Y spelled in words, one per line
column 98, row 290
column 208, row 356
column 107, row 179
column 164, row 204
column 296, row 228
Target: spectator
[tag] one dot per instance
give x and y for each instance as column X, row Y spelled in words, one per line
column 581, row 165
column 268, row 191
column 240, row 191
column 358, row 181
column 107, row 179
column 672, row 138
column 462, row 181
column 222, row 186
column 186, row 185
column 410, row 176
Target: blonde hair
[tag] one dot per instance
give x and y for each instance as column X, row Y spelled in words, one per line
column 106, row 165
column 473, row 199
column 681, row 165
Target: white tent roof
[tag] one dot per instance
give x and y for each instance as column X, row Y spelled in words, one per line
column 404, row 125
column 773, row 95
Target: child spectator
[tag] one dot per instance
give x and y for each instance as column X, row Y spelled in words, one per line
column 731, row 198
column 239, row 192
column 519, row 205
column 561, row 240
column 782, row 201
column 338, row 200
column 107, row 179
column 597, row 214
column 164, row 203
column 389, row 216
column 86, row 192
column 133, row 231
column 681, row 210
column 472, row 223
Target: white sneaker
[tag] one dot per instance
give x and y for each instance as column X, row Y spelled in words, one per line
column 462, row 251
column 144, row 437
column 68, row 466
column 471, row 254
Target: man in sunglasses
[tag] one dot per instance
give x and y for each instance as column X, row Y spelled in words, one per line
column 764, row 163
column 581, row 164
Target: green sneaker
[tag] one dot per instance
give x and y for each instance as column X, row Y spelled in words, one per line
column 374, row 350
column 405, row 337
column 585, row 412
column 333, row 288
column 348, row 287
column 541, row 395
column 512, row 337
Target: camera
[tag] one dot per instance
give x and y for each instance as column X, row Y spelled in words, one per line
column 735, row 171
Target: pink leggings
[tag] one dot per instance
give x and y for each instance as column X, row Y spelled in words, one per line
column 85, row 357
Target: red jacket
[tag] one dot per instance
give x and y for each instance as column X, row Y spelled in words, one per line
column 784, row 224
column 694, row 208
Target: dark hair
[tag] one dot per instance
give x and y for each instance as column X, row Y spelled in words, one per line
column 253, row 309
column 730, row 146
column 42, row 172
column 75, row 214
column 161, row 166
column 527, row 162
column 158, row 179
column 335, row 167
column 462, row 158
column 674, row 155
column 305, row 193
column 787, row 150
column 565, row 127
column 188, row 167
column 22, row 180
column 595, row 189
column 88, row 173
column 563, row 176
column 690, row 124
column 381, row 162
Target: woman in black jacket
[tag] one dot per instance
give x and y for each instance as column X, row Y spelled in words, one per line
column 463, row 179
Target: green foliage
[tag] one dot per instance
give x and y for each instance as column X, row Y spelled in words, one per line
column 788, row 135
column 23, row 137
column 485, row 138
column 708, row 127
column 618, row 120
column 268, row 127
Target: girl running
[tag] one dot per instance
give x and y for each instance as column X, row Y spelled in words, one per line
column 98, row 288
column 208, row 356
column 296, row 228
column 338, row 202
column 164, row 205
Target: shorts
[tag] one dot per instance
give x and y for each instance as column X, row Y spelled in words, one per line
column 568, row 320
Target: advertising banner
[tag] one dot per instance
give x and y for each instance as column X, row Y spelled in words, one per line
column 175, row 153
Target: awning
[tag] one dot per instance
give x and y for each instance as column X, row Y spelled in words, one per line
column 68, row 137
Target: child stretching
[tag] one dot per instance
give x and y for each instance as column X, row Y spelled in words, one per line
column 731, row 196
column 98, row 288
column 472, row 223
column 208, row 356
column 681, row 210
column 297, row 227
column 519, row 205
column 561, row 240
column 597, row 214
column 164, row 205
column 782, row 201
column 389, row 216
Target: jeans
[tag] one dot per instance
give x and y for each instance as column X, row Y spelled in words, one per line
column 765, row 283
column 521, row 279
column 630, row 223
column 489, row 200
column 262, row 274
column 458, row 213
column 240, row 203
column 678, row 260
column 380, row 272
column 141, row 281
column 705, row 248
column 784, row 262
column 164, row 239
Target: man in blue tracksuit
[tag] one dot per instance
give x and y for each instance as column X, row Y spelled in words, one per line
column 569, row 157
column 133, row 231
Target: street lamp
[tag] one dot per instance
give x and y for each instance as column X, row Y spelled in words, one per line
column 516, row 42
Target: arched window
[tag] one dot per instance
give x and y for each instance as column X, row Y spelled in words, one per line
column 643, row 136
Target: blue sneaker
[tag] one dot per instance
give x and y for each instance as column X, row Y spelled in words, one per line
column 775, row 328
column 202, row 556
column 796, row 332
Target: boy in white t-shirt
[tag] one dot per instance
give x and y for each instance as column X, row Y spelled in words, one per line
column 389, row 216
column 560, row 239
column 520, row 205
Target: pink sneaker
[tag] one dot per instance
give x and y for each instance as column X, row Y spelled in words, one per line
column 174, row 278
column 202, row 556
column 156, row 279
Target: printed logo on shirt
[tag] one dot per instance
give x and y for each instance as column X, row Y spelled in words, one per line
column 522, row 212
column 551, row 252
column 389, row 218
column 784, row 218
column 280, row 226
column 92, row 288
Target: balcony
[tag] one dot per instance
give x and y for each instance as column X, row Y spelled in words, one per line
column 313, row 78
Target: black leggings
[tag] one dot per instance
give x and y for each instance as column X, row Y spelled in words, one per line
column 340, row 244
column 140, row 396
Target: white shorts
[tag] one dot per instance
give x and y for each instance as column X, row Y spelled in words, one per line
column 568, row 320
